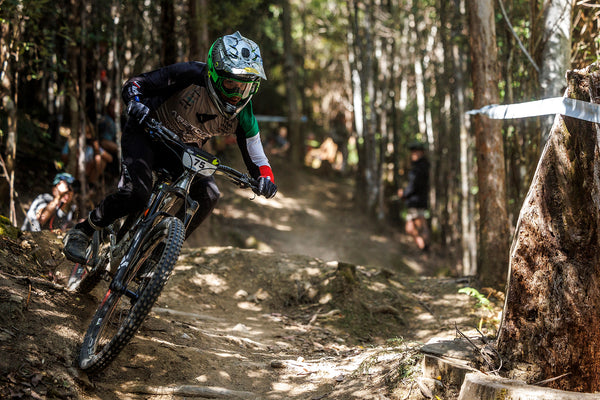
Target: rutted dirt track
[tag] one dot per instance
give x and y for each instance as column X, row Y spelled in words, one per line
column 298, row 297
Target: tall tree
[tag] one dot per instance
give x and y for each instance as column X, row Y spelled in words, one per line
column 550, row 317
column 198, row 29
column 168, row 49
column 555, row 52
column 361, row 39
column 10, row 43
column 493, row 223
column 291, row 77
column 455, row 141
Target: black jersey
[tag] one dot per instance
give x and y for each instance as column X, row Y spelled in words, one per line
column 178, row 97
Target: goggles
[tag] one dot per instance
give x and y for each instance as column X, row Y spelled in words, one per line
column 231, row 87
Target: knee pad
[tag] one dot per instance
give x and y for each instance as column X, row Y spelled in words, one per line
column 206, row 193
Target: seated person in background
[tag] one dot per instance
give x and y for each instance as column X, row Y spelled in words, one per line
column 107, row 132
column 56, row 210
column 96, row 159
column 278, row 143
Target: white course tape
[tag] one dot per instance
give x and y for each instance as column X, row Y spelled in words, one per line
column 556, row 105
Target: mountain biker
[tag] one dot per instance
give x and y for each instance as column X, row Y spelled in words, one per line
column 197, row 101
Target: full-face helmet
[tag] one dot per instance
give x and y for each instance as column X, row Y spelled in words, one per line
column 234, row 72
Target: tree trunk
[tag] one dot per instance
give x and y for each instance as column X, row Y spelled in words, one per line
column 198, row 29
column 493, row 223
column 168, row 51
column 358, row 93
column 467, row 201
column 9, row 42
column 116, row 14
column 369, row 77
column 81, row 115
column 556, row 53
column 551, row 316
column 291, row 77
column 368, row 181
column 456, row 65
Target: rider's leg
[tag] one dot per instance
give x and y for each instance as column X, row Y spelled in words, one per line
column 206, row 193
column 134, row 188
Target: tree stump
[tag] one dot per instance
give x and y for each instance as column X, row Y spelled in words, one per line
column 346, row 279
column 552, row 312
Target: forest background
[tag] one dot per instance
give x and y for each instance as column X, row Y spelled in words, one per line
column 371, row 75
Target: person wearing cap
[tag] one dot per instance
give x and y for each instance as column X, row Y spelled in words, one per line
column 416, row 195
column 197, row 101
column 55, row 210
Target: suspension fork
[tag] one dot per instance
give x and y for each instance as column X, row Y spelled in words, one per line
column 190, row 205
column 116, row 285
column 145, row 222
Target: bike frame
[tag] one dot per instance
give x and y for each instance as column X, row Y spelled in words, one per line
column 139, row 257
column 165, row 194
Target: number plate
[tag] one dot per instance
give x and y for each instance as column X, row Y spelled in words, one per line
column 199, row 164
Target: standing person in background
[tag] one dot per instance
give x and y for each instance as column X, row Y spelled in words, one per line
column 416, row 195
column 55, row 210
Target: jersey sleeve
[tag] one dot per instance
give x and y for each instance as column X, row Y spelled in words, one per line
column 154, row 87
column 250, row 144
column 248, row 121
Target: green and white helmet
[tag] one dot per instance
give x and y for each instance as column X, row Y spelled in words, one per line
column 234, row 70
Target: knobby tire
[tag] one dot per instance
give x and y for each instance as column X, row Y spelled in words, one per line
column 150, row 269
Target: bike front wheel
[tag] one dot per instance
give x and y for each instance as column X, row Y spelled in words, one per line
column 121, row 314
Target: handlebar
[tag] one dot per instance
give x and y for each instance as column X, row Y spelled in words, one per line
column 156, row 129
column 160, row 132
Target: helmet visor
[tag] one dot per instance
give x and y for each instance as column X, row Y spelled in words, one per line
column 231, row 87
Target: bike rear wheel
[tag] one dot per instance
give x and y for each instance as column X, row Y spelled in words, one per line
column 119, row 316
column 94, row 275
column 84, row 278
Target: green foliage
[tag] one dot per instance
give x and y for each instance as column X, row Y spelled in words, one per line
column 7, row 229
column 227, row 16
column 407, row 358
column 481, row 300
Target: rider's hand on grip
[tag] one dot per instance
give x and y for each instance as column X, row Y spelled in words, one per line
column 138, row 111
column 266, row 187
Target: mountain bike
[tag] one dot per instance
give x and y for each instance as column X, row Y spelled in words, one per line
column 137, row 253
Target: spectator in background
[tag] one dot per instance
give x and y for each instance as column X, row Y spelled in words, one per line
column 278, row 144
column 55, row 210
column 340, row 135
column 96, row 159
column 416, row 195
column 107, row 133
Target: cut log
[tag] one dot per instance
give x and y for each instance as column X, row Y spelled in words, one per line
column 478, row 386
column 193, row 391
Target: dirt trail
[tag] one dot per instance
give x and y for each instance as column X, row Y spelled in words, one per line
column 320, row 304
